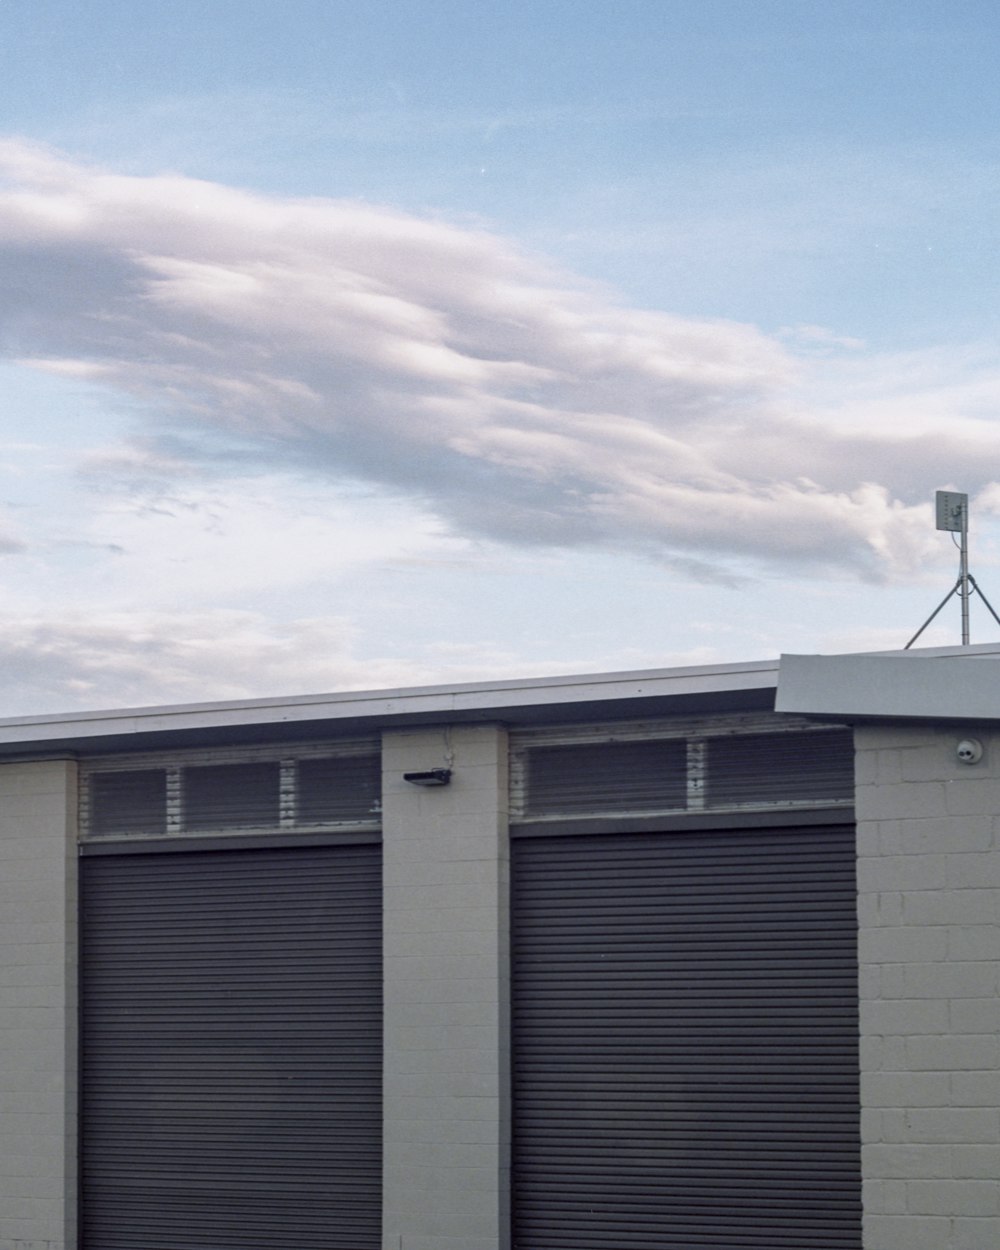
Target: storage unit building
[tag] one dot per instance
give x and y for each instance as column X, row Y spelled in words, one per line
column 697, row 957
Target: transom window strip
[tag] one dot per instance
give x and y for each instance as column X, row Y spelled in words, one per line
column 730, row 763
column 329, row 786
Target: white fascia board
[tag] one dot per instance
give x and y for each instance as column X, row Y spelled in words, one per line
column 478, row 699
column 952, row 684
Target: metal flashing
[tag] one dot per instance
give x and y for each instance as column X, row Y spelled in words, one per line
column 704, row 688
column 846, row 687
column 957, row 684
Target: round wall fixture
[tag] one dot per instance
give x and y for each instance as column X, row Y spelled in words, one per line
column 969, row 751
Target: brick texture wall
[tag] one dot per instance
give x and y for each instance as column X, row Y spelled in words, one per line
column 929, row 912
column 38, row 1006
column 446, row 1121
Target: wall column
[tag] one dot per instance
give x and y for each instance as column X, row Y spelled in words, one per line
column 38, row 1004
column 929, row 948
column 446, row 1035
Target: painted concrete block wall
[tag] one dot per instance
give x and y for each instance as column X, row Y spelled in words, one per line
column 38, row 1006
column 929, row 912
column 446, row 1059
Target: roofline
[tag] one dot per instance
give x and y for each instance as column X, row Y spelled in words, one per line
column 954, row 684
column 536, row 699
column 844, row 687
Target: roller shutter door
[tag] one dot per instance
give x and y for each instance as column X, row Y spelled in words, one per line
column 231, row 1058
column 685, row 1041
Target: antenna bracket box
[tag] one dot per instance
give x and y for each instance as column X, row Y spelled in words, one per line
column 952, row 510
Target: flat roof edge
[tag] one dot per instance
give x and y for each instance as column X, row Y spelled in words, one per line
column 423, row 702
column 957, row 685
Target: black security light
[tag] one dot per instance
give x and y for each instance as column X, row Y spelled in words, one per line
column 433, row 777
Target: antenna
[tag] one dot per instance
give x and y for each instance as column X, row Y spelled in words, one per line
column 952, row 513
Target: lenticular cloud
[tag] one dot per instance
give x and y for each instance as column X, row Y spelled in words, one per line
column 439, row 362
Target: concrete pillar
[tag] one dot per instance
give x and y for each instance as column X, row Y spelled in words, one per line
column 929, row 950
column 38, row 988
column 446, row 1113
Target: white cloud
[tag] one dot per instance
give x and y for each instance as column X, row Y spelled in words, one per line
column 201, row 542
column 54, row 662
column 819, row 338
column 57, row 662
column 12, row 541
column 444, row 364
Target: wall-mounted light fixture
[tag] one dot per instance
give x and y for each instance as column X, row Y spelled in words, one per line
column 432, row 777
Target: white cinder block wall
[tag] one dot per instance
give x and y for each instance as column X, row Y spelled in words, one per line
column 446, row 1128
column 929, row 912
column 38, row 1006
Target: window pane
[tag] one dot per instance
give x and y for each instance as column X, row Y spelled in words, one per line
column 339, row 789
column 128, row 802
column 607, row 777
column 231, row 796
column 780, row 768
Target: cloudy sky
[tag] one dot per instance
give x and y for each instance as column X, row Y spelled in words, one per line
column 353, row 345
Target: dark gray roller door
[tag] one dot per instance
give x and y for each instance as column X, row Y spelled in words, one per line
column 232, row 1050
column 686, row 1041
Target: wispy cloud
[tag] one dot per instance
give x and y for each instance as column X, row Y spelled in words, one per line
column 59, row 661
column 11, row 538
column 444, row 364
column 10, row 543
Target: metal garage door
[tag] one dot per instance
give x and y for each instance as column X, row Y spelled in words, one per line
column 685, row 1041
column 232, row 1049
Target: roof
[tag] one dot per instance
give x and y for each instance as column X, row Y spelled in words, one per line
column 598, row 696
column 953, row 683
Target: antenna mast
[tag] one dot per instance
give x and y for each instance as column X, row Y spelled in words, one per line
column 952, row 513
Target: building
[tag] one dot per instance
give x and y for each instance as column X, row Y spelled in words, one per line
column 700, row 957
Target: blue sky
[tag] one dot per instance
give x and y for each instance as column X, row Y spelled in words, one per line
column 355, row 345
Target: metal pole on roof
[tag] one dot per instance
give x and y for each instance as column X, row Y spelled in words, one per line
column 952, row 512
column 963, row 566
